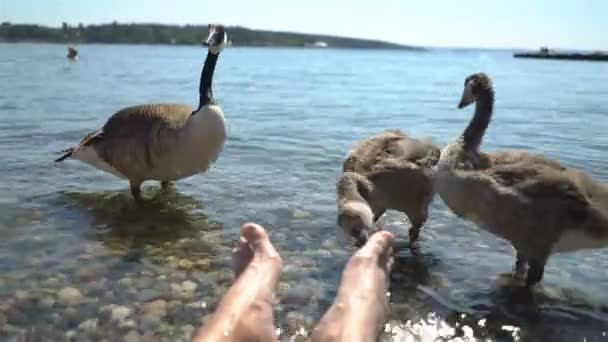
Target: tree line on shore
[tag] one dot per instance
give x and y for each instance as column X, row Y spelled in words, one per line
column 118, row 33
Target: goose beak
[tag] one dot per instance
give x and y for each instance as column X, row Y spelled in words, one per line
column 217, row 37
column 467, row 96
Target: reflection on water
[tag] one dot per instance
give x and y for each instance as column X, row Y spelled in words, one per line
column 80, row 260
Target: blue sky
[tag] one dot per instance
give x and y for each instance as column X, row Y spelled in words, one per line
column 576, row 24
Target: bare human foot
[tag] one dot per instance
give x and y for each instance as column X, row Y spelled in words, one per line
column 245, row 311
column 361, row 305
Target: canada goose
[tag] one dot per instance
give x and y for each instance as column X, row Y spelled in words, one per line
column 385, row 171
column 72, row 53
column 535, row 203
column 163, row 142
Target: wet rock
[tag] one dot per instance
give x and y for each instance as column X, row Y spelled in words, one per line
column 185, row 264
column 97, row 287
column 183, row 291
column 69, row 296
column 149, row 295
column 297, row 295
column 21, row 295
column 120, row 313
column 296, row 320
column 187, row 331
column 91, row 272
column 299, row 214
column 126, row 282
column 132, row 336
column 149, row 322
column 16, row 317
column 5, row 305
column 144, row 283
column 128, row 324
column 89, row 326
column 70, row 335
column 189, row 286
column 47, row 302
column 51, row 282
column 71, row 317
column 157, row 308
column 198, row 305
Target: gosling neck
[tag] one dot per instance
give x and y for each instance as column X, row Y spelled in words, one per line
column 352, row 186
column 484, row 107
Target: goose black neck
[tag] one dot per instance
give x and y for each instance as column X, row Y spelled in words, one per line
column 205, row 87
column 484, row 106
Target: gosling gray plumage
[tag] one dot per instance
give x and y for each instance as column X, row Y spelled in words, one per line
column 163, row 142
column 537, row 204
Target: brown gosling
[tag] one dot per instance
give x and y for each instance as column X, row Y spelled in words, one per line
column 163, row 142
column 384, row 172
column 537, row 204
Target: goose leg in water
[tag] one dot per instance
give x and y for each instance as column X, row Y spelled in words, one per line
column 519, row 270
column 535, row 273
column 414, row 232
column 136, row 189
column 165, row 185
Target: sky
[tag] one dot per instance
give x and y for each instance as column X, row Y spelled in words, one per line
column 567, row 24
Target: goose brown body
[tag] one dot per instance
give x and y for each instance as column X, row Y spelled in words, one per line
column 163, row 142
column 536, row 203
column 385, row 171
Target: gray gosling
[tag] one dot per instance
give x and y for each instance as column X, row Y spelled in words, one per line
column 537, row 204
column 163, row 142
column 385, row 171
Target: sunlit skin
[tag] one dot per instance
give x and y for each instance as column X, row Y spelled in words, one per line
column 245, row 311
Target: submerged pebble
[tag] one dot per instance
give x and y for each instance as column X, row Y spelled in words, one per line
column 69, row 296
column 132, row 336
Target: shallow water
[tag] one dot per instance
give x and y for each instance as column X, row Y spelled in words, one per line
column 78, row 259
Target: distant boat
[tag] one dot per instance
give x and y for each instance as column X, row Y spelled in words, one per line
column 72, row 53
column 545, row 53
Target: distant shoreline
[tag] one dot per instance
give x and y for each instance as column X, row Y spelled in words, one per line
column 158, row 34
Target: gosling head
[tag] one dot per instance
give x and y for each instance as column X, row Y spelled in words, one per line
column 357, row 220
column 217, row 38
column 473, row 86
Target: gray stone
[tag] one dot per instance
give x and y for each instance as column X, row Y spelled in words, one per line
column 126, row 282
column 144, row 283
column 47, row 302
column 128, row 324
column 70, row 335
column 51, row 282
column 189, row 286
column 149, row 322
column 149, row 294
column 16, row 317
column 21, row 295
column 120, row 313
column 69, row 296
column 89, row 326
column 297, row 295
column 295, row 320
column 187, row 331
column 156, row 308
column 132, row 336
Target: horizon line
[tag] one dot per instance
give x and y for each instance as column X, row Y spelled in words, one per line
column 303, row 33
